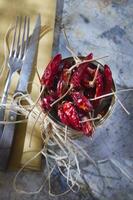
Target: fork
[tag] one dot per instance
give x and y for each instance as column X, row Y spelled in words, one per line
column 15, row 60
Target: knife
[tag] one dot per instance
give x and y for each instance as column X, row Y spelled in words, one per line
column 30, row 58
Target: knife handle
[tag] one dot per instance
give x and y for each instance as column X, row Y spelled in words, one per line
column 2, row 114
column 6, row 140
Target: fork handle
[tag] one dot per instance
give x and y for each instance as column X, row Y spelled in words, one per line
column 4, row 100
column 6, row 140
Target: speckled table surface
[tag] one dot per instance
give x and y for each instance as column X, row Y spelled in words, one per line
column 104, row 27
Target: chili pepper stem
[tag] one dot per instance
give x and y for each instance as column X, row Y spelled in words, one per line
column 92, row 119
column 111, row 94
column 69, row 46
column 59, row 99
column 92, row 83
column 76, row 59
column 85, row 61
column 114, row 93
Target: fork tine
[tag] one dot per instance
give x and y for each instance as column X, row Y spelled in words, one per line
column 13, row 41
column 27, row 37
column 23, row 38
column 19, row 33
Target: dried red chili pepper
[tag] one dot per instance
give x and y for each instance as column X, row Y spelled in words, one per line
column 87, row 127
column 81, row 101
column 72, row 116
column 99, row 88
column 47, row 101
column 51, row 71
column 89, row 56
column 89, row 72
column 89, row 92
column 62, row 85
column 108, row 81
column 66, row 64
column 63, row 117
column 89, row 69
column 75, row 79
column 87, row 77
column 92, row 92
column 78, row 75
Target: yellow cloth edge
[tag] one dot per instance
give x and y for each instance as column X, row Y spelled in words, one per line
column 46, row 47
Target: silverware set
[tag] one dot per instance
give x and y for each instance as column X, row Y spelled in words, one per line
column 15, row 59
column 22, row 56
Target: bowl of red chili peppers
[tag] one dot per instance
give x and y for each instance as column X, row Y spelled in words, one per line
column 77, row 94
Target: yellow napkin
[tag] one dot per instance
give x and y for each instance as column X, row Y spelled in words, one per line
column 21, row 152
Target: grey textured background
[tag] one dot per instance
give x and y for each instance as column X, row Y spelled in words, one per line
column 104, row 27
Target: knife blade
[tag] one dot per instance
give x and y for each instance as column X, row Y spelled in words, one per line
column 30, row 58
